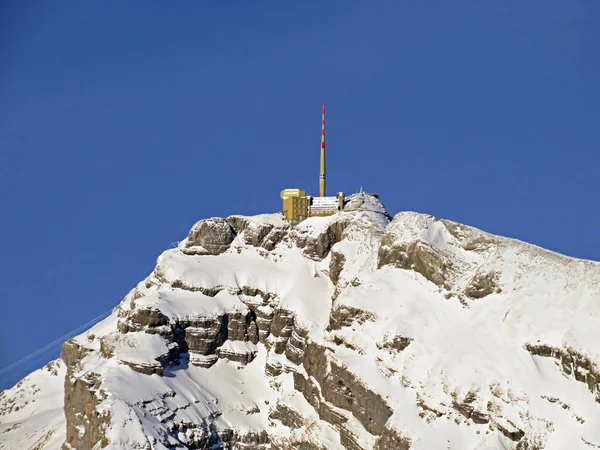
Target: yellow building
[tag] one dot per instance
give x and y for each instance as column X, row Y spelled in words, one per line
column 295, row 205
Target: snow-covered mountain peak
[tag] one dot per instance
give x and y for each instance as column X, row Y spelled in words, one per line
column 351, row 331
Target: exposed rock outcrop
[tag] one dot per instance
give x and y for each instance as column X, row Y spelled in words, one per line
column 393, row 439
column 344, row 316
column 336, row 265
column 318, row 245
column 73, row 352
column 342, row 388
column 264, row 319
column 418, row 256
column 203, row 334
column 209, row 237
column 468, row 409
column 294, row 350
column 287, row 416
column 482, row 284
column 86, row 424
column 238, row 351
column 250, row 440
column 573, row 363
column 350, row 441
column 395, row 343
column 332, row 415
column 257, row 233
column 282, row 328
column 150, row 320
column 146, row 369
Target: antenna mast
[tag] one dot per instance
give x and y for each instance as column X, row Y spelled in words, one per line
column 322, row 176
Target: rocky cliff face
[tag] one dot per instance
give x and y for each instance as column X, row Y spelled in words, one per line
column 354, row 331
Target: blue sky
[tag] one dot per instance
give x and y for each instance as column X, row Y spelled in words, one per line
column 122, row 123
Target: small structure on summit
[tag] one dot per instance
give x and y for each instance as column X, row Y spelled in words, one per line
column 297, row 206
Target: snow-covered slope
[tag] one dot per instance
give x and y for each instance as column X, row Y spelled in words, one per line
column 31, row 413
column 350, row 331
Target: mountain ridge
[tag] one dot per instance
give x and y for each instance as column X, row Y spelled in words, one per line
column 351, row 331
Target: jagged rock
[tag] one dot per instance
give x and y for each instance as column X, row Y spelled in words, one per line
column 204, row 334
column 200, row 360
column 281, row 328
column 294, row 350
column 242, row 352
column 344, row 389
column 147, row 369
column 72, row 353
column 471, row 239
column 165, row 331
column 397, row 343
column 250, row 232
column 275, row 236
column 143, row 319
column 481, row 285
column 208, row 291
column 255, row 292
column 331, row 414
column 237, row 326
column 344, row 316
column 250, row 440
column 86, row 425
column 199, row 344
column 336, row 265
column 469, row 412
column 230, row 438
column 148, row 317
column 572, row 362
column 264, row 319
column 318, row 246
column 418, row 256
column 287, row 416
column 349, row 440
column 273, row 368
column 479, row 417
column 257, row 233
column 253, row 334
column 106, row 349
column 120, row 345
column 209, row 237
column 367, row 406
column 534, row 443
column 309, row 388
column 301, row 443
column 509, row 430
column 393, row 439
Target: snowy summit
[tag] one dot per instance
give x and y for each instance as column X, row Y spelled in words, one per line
column 352, row 331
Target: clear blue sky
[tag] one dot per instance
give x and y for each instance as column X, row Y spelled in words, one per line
column 122, row 123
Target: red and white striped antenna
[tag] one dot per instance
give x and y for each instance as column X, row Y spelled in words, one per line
column 322, row 176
